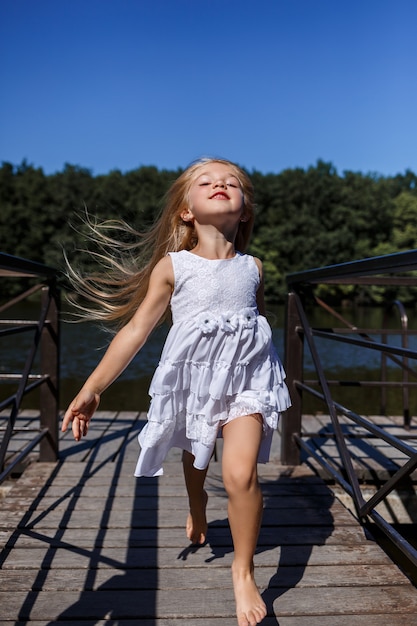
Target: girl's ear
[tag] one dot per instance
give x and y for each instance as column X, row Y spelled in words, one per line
column 186, row 215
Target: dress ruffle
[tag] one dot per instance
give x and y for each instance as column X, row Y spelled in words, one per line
column 209, row 368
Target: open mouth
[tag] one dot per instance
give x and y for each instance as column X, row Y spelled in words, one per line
column 219, row 195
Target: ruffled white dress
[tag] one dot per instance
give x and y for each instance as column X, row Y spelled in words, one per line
column 218, row 363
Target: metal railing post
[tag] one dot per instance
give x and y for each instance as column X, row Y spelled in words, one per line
column 404, row 362
column 49, row 392
column 293, row 363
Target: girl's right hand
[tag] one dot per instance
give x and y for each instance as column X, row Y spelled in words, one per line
column 80, row 412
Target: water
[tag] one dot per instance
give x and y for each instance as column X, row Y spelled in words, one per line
column 83, row 345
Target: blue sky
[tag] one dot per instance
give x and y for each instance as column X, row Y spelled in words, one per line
column 270, row 84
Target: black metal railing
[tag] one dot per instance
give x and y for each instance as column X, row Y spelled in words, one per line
column 44, row 336
column 391, row 270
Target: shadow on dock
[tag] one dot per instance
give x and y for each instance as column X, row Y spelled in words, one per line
column 88, row 544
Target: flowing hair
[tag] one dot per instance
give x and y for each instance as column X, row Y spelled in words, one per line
column 114, row 293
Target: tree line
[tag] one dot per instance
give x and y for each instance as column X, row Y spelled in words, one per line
column 305, row 218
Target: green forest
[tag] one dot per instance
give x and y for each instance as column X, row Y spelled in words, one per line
column 305, row 218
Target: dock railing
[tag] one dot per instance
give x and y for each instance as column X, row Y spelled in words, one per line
column 44, row 338
column 395, row 270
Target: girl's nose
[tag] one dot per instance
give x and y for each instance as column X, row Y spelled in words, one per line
column 219, row 183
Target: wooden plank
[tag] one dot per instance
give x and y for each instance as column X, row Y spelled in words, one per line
column 218, row 535
column 122, row 604
column 315, row 424
column 172, row 502
column 125, row 488
column 168, row 518
column 310, row 620
column 75, row 557
column 398, row 508
column 199, row 578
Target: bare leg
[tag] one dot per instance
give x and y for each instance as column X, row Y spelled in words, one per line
column 196, row 526
column 242, row 438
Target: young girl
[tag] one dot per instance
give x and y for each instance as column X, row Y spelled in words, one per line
column 218, row 373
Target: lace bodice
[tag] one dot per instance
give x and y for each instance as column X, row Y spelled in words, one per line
column 214, row 286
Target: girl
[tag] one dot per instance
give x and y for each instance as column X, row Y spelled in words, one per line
column 218, row 372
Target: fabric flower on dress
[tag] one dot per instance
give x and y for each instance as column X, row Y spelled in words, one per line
column 248, row 318
column 229, row 322
column 206, row 322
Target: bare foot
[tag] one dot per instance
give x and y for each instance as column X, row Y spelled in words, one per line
column 250, row 608
column 196, row 525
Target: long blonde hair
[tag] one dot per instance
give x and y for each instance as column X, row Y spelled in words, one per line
column 113, row 294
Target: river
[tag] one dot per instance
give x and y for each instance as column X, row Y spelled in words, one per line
column 83, row 344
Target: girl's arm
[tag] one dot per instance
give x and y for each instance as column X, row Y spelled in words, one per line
column 122, row 349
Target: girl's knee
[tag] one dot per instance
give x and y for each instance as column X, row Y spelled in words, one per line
column 240, row 480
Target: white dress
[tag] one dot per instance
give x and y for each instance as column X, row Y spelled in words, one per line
column 218, row 363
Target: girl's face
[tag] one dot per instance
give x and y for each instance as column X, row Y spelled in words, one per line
column 215, row 192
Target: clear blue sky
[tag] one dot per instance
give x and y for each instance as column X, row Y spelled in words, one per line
column 270, row 84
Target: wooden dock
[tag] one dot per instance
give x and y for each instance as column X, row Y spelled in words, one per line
column 85, row 543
